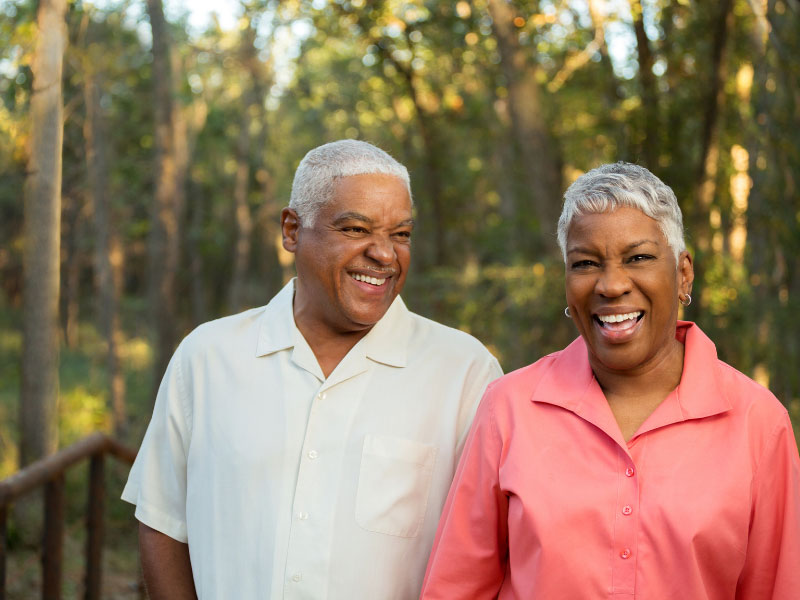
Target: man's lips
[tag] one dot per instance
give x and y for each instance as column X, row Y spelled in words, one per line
column 371, row 278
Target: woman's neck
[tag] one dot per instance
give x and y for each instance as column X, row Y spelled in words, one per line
column 634, row 394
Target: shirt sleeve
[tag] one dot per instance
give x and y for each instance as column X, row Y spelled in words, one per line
column 773, row 549
column 157, row 481
column 479, row 380
column 469, row 555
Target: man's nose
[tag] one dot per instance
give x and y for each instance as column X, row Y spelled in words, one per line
column 381, row 250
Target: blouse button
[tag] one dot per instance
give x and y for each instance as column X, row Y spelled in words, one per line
column 626, row 553
column 626, row 510
column 629, row 471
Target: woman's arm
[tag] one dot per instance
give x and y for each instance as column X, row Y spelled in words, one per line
column 468, row 559
column 772, row 565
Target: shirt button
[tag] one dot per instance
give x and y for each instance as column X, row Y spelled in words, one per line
column 322, row 396
column 626, row 510
column 626, row 553
column 302, row 516
column 629, row 471
column 297, row 577
column 313, row 454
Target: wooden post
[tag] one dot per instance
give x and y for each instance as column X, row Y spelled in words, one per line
column 94, row 525
column 53, row 538
column 3, row 518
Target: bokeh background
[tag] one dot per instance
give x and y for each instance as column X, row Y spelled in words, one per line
column 182, row 128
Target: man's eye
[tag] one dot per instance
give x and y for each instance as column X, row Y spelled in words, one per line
column 354, row 229
column 640, row 258
column 403, row 234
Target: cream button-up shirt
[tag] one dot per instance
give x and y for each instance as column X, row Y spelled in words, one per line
column 289, row 485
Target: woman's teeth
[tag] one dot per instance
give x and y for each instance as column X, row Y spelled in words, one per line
column 619, row 318
column 367, row 279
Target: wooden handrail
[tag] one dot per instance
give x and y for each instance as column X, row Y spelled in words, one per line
column 49, row 472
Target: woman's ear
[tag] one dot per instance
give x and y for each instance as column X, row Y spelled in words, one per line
column 685, row 273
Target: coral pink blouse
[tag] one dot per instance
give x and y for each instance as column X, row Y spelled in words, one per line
column 550, row 502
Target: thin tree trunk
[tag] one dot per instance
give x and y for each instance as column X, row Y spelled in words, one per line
column 538, row 156
column 243, row 219
column 705, row 185
column 108, row 257
column 163, row 242
column 647, row 79
column 72, row 232
column 39, row 389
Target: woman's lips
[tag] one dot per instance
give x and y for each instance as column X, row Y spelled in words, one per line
column 619, row 327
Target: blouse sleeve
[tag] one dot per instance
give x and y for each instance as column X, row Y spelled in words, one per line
column 469, row 555
column 772, row 565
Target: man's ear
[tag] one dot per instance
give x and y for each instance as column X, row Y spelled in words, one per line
column 290, row 229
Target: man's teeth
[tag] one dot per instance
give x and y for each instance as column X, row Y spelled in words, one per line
column 367, row 279
column 619, row 318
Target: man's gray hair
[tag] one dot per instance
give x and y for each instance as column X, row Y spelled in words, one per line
column 623, row 184
column 315, row 178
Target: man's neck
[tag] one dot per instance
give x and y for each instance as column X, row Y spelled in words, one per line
column 330, row 347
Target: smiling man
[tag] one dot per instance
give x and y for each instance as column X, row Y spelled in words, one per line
column 304, row 449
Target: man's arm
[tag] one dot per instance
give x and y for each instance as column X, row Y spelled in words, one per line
column 165, row 565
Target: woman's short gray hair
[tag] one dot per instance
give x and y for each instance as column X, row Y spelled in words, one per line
column 315, row 178
column 623, row 184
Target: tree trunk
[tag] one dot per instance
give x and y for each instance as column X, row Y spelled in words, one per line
column 705, row 185
column 650, row 143
column 108, row 256
column 39, row 389
column 538, row 157
column 242, row 217
column 163, row 241
column 72, row 233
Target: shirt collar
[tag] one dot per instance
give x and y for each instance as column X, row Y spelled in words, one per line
column 570, row 383
column 386, row 342
column 277, row 328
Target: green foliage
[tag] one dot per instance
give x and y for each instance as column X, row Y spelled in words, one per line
column 428, row 82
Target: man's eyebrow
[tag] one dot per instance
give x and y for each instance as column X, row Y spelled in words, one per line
column 351, row 216
column 356, row 216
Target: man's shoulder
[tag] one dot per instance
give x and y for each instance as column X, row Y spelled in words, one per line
column 224, row 331
column 442, row 337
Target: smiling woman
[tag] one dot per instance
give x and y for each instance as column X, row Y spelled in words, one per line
column 635, row 452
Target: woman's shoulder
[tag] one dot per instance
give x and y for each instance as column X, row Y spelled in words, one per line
column 522, row 381
column 748, row 397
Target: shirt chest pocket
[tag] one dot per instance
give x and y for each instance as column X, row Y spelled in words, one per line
column 393, row 485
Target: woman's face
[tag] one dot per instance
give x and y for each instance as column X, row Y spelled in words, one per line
column 623, row 287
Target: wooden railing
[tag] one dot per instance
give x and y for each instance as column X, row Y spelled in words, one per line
column 49, row 472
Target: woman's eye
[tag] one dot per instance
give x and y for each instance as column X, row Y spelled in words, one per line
column 354, row 229
column 403, row 234
column 583, row 264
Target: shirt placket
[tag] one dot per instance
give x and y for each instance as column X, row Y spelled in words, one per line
column 317, row 489
column 626, row 527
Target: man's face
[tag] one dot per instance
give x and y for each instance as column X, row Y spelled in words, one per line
column 353, row 261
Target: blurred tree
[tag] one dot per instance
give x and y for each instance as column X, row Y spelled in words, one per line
column 164, row 242
column 108, row 250
column 538, row 156
column 39, row 388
